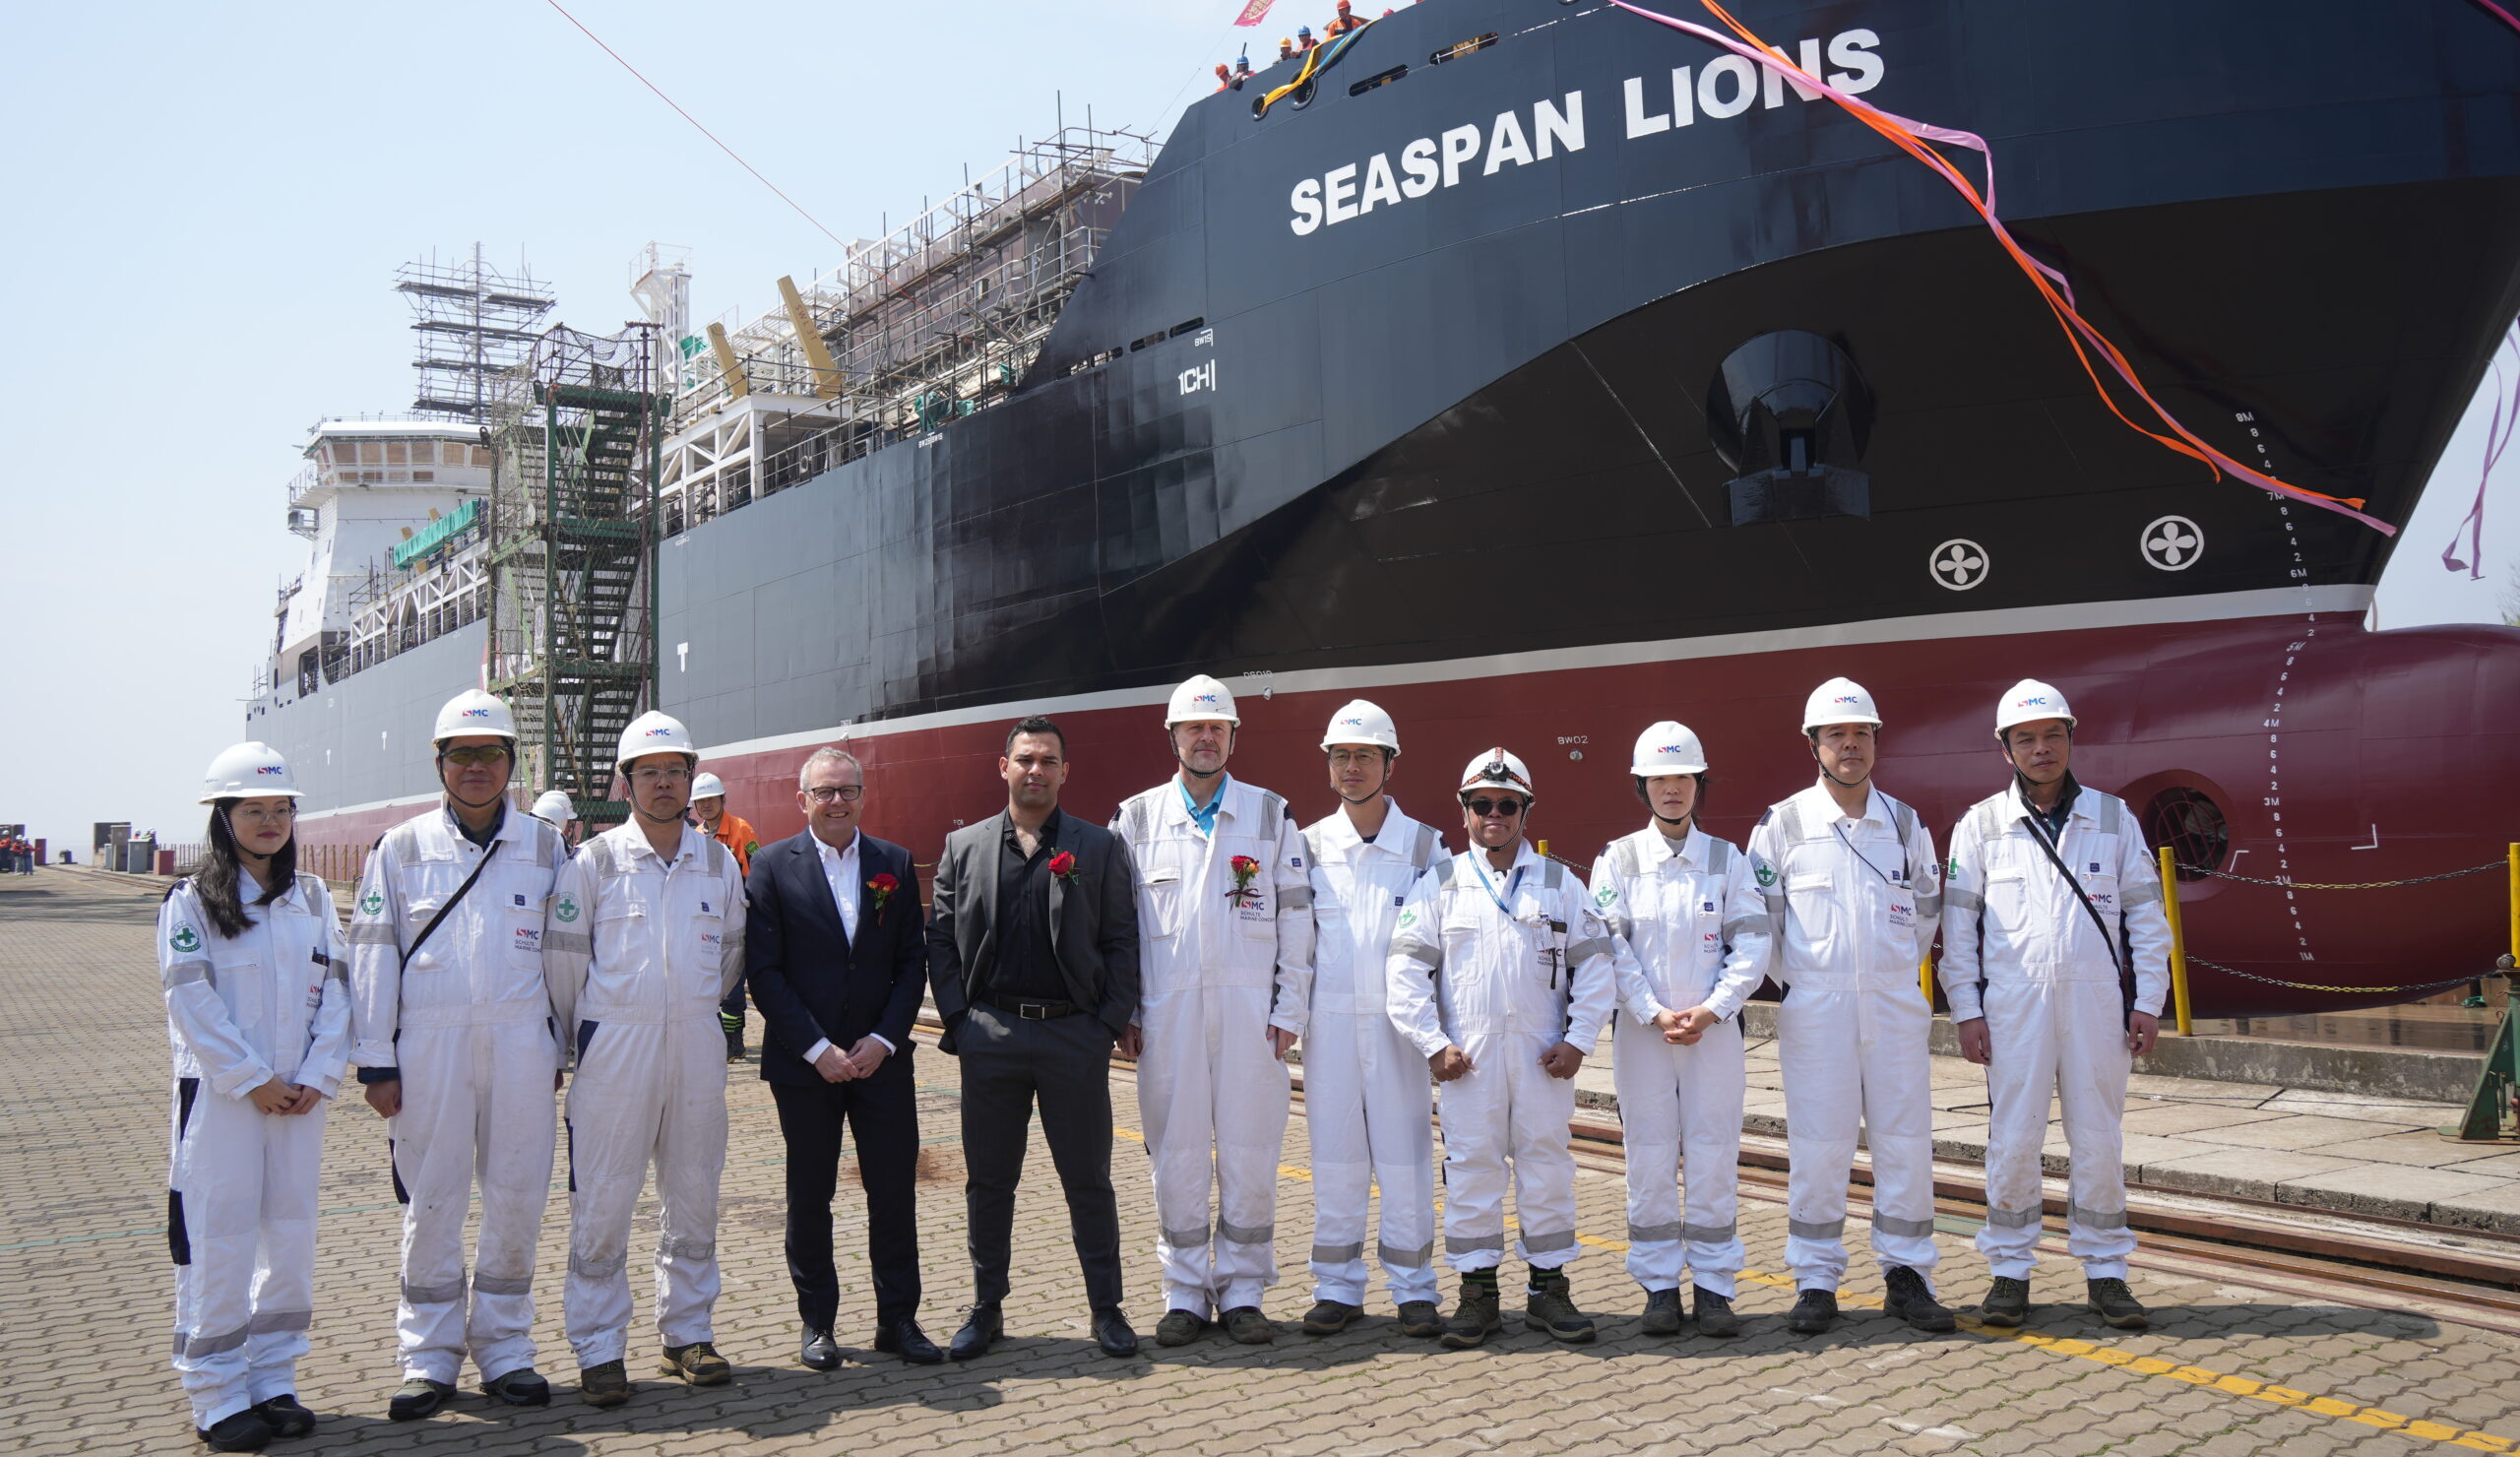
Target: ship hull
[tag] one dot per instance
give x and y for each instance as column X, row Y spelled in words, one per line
column 1475, row 456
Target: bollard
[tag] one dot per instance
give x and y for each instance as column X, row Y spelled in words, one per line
column 2514, row 855
column 2178, row 938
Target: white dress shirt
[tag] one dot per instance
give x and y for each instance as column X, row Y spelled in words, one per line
column 840, row 873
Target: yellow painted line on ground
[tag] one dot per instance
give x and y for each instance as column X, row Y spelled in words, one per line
column 2125, row 1361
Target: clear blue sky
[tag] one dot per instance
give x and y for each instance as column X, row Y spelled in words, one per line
column 211, row 202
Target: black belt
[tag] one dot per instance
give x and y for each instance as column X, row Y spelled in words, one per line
column 1032, row 1011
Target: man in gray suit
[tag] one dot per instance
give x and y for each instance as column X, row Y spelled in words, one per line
column 1033, row 950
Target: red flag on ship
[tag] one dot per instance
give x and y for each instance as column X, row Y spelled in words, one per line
column 1252, row 12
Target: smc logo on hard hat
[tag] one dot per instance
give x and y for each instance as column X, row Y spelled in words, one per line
column 1352, row 722
column 1203, row 698
column 2028, row 702
column 658, row 733
column 1845, row 698
column 270, row 769
column 476, row 713
column 1668, row 748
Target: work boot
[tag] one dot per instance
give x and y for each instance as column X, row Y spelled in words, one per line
column 1550, row 1305
column 1907, row 1299
column 1714, row 1313
column 1179, row 1327
column 2007, row 1303
column 1477, row 1316
column 1247, row 1326
column 697, row 1364
column 521, row 1387
column 285, row 1415
column 2117, row 1305
column 1421, row 1318
column 245, row 1431
column 1662, row 1312
column 418, row 1397
column 605, row 1385
column 1329, row 1318
column 734, row 1040
column 1814, row 1311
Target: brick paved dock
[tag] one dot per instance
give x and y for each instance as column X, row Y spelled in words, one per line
column 2232, row 1368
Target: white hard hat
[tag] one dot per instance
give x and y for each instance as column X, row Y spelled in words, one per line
column 653, row 733
column 1498, row 770
column 473, row 712
column 1668, row 748
column 1839, row 701
column 1201, row 698
column 706, row 785
column 247, row 771
column 1360, row 722
column 553, row 808
column 2027, row 701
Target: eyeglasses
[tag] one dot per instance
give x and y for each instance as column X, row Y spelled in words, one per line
column 1500, row 808
column 478, row 753
column 825, row 794
column 653, row 775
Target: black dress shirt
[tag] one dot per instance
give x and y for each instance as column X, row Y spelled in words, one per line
column 1022, row 963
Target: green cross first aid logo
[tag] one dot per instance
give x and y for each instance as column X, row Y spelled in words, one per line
column 567, row 909
column 184, row 939
column 1407, row 919
column 371, row 903
column 1766, row 872
column 1605, row 896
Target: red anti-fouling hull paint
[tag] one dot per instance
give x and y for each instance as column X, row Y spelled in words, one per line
column 2324, row 745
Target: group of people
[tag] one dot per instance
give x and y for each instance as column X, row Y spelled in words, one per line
column 16, row 854
column 1291, row 46
column 1203, row 933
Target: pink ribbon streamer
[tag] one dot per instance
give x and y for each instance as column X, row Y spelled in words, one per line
column 2497, row 435
column 2508, row 17
column 1985, row 210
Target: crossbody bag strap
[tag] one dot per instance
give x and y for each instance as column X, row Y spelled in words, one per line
column 416, row 941
column 2115, row 944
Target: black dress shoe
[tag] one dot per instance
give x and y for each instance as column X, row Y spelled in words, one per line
column 818, row 1351
column 1112, row 1332
column 980, row 1332
column 904, row 1338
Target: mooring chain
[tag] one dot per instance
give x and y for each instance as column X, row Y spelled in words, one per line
column 2356, row 885
column 2195, row 960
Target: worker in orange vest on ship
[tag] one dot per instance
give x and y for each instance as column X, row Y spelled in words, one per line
column 733, row 831
column 1342, row 24
column 1303, row 39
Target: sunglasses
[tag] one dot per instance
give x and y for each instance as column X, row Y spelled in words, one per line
column 489, row 753
column 1502, row 809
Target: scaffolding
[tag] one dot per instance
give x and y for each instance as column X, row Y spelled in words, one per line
column 475, row 323
column 575, row 430
column 940, row 317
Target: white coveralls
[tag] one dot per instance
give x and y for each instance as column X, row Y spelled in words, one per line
column 639, row 955
column 1218, row 968
column 2020, row 950
column 1853, row 904
column 1367, row 1101
column 241, row 1188
column 1503, row 966
column 469, row 1026
column 1690, row 914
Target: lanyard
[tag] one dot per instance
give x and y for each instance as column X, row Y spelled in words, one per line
column 1479, row 863
column 1840, row 831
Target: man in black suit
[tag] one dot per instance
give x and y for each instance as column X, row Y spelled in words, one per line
column 837, row 962
column 1032, row 949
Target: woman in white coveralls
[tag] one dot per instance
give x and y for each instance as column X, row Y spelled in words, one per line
column 258, row 1009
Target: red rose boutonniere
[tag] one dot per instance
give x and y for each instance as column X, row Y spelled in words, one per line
column 883, row 886
column 1063, row 865
column 1245, row 869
